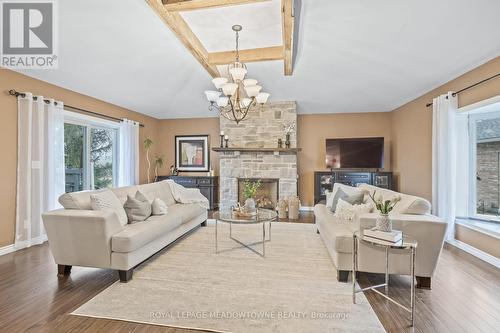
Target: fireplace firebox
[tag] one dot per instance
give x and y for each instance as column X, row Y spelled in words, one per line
column 267, row 194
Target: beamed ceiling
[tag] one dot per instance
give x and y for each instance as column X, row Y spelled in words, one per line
column 331, row 56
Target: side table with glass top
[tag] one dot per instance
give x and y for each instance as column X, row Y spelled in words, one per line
column 406, row 243
column 262, row 216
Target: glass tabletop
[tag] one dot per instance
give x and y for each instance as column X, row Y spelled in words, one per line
column 263, row 215
column 406, row 242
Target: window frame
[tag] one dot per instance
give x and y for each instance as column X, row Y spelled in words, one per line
column 472, row 209
column 90, row 123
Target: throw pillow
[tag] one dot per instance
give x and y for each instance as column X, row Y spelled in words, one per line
column 347, row 212
column 353, row 199
column 108, row 201
column 159, row 207
column 138, row 208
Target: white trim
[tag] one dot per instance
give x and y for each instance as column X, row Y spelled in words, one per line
column 468, row 225
column 306, row 209
column 7, row 249
column 475, row 252
column 473, row 108
column 85, row 120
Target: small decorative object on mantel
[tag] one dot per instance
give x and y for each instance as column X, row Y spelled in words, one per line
column 226, row 139
column 384, row 207
column 222, row 139
column 280, row 143
column 249, row 191
column 288, row 128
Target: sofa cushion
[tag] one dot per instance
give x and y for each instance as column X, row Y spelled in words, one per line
column 77, row 200
column 122, row 192
column 136, row 235
column 340, row 233
column 107, row 201
column 158, row 190
column 138, row 208
column 409, row 204
column 186, row 212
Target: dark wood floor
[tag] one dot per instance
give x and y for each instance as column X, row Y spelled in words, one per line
column 465, row 296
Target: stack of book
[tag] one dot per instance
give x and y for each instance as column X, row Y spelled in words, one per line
column 393, row 236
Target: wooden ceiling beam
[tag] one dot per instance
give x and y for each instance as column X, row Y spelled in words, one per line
column 288, row 26
column 186, row 5
column 249, row 55
column 181, row 29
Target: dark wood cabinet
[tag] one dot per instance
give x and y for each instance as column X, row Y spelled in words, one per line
column 324, row 180
column 208, row 186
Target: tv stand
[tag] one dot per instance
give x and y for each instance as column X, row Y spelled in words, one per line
column 324, row 180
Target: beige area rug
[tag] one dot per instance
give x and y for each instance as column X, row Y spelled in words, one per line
column 292, row 289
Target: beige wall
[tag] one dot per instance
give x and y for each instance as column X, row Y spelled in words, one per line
column 168, row 129
column 314, row 129
column 312, row 132
column 8, row 135
column 412, row 128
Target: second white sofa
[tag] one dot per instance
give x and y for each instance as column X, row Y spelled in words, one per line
column 80, row 236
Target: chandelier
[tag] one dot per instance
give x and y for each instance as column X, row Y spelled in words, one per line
column 235, row 96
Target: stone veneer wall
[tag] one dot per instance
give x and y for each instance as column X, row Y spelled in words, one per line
column 261, row 129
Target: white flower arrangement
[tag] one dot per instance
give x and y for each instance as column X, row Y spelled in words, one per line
column 384, row 206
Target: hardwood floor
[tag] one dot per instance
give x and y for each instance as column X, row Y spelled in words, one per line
column 465, row 296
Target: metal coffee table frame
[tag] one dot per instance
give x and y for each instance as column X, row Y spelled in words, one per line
column 263, row 216
column 405, row 244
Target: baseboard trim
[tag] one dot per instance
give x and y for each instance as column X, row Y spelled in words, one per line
column 7, row 249
column 475, row 252
column 306, row 209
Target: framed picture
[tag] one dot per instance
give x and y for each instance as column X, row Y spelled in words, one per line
column 191, row 153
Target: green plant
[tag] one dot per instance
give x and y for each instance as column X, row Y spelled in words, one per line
column 250, row 188
column 148, row 143
column 159, row 161
column 384, row 207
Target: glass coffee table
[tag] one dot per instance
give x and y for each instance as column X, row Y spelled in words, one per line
column 263, row 216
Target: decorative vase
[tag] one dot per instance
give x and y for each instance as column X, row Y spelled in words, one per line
column 249, row 206
column 384, row 223
column 287, row 140
column 280, row 143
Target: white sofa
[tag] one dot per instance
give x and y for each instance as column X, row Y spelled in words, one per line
column 80, row 236
column 411, row 215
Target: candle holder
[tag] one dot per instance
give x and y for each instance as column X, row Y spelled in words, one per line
column 226, row 140
column 222, row 141
column 280, row 143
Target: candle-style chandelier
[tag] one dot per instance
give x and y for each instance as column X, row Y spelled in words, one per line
column 235, row 96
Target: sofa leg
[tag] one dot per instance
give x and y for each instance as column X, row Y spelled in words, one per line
column 63, row 270
column 342, row 276
column 126, row 276
column 317, row 231
column 204, row 223
column 423, row 282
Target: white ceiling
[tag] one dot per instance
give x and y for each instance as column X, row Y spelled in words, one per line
column 261, row 23
column 353, row 56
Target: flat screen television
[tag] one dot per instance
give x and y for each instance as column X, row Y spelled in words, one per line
column 355, row 153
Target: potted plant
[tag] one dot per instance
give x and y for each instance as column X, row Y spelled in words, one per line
column 159, row 161
column 384, row 207
column 148, row 143
column 249, row 191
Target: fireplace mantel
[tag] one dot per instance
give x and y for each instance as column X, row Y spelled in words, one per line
column 258, row 150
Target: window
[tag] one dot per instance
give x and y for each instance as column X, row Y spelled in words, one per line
column 485, row 165
column 90, row 152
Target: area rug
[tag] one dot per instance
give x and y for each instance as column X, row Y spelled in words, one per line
column 293, row 289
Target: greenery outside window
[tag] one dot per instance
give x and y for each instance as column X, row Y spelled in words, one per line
column 90, row 152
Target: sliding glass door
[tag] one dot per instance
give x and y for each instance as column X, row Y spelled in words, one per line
column 90, row 153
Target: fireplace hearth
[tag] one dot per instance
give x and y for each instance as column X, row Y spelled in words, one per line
column 267, row 194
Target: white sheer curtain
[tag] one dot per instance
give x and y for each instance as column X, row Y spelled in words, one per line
column 444, row 159
column 128, row 171
column 40, row 166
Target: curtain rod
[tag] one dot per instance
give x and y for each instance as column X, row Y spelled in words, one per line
column 12, row 92
column 471, row 86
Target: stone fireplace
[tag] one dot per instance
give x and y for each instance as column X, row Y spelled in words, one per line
column 259, row 132
column 267, row 194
